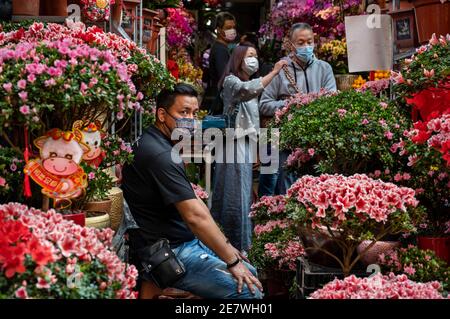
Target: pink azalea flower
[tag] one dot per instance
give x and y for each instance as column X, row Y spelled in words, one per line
column 24, row 109
column 428, row 74
column 409, row 270
column 22, row 84
column 2, row 182
column 23, row 96
column 8, row 87
column 388, row 135
column 21, row 293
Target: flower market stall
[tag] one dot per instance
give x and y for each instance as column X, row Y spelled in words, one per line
column 368, row 213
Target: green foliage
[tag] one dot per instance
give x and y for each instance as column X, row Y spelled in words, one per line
column 348, row 132
column 421, row 265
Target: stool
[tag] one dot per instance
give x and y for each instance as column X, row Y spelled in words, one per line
column 151, row 291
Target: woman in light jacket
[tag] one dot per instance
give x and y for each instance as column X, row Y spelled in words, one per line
column 232, row 190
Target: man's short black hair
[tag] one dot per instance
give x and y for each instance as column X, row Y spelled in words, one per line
column 166, row 98
column 222, row 17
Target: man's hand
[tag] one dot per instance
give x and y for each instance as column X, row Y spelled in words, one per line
column 243, row 275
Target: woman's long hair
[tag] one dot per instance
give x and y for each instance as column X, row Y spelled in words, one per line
column 234, row 65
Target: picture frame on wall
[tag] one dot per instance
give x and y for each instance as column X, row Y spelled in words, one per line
column 405, row 30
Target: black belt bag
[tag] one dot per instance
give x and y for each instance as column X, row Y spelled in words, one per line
column 160, row 264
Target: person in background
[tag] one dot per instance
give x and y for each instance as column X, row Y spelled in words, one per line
column 164, row 205
column 219, row 55
column 232, row 188
column 249, row 37
column 310, row 75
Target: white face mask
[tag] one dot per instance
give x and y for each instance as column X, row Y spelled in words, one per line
column 230, row 34
column 251, row 65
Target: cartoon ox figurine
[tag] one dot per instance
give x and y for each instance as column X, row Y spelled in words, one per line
column 92, row 137
column 57, row 170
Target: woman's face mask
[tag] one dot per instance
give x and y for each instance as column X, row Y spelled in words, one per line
column 250, row 65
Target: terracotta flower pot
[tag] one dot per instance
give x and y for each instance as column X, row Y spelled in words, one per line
column 26, row 8
column 371, row 256
column 440, row 245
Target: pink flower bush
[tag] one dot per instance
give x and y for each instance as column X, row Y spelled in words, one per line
column 340, row 197
column 269, row 226
column 299, row 157
column 349, row 209
column 375, row 87
column 180, row 27
column 378, row 287
column 419, row 265
column 298, row 100
column 285, row 254
column 74, row 67
column 269, row 207
column 39, row 251
column 323, row 16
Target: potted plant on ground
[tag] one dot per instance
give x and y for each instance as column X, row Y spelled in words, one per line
column 418, row 264
column 343, row 133
column 47, row 256
column 275, row 245
column 349, row 210
column 379, row 287
column 423, row 82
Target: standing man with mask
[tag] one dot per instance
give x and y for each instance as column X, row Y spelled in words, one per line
column 310, row 75
column 220, row 54
column 164, row 205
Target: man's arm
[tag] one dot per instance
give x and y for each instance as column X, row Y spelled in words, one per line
column 199, row 220
column 269, row 102
column 329, row 82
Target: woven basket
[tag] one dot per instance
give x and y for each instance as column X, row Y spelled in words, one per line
column 344, row 81
column 116, row 196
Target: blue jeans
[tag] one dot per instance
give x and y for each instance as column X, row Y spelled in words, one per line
column 207, row 275
column 279, row 182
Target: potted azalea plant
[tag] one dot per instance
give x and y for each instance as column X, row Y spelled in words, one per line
column 427, row 148
column 379, row 287
column 418, row 264
column 97, row 198
column 54, row 74
column 276, row 245
column 423, row 82
column 349, row 210
column 11, row 176
column 48, row 257
column 344, row 133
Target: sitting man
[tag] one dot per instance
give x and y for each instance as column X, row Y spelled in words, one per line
column 164, row 205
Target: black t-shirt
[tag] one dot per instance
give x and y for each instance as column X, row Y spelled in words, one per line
column 218, row 59
column 152, row 184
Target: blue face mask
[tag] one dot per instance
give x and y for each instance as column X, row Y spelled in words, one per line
column 305, row 53
column 185, row 123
